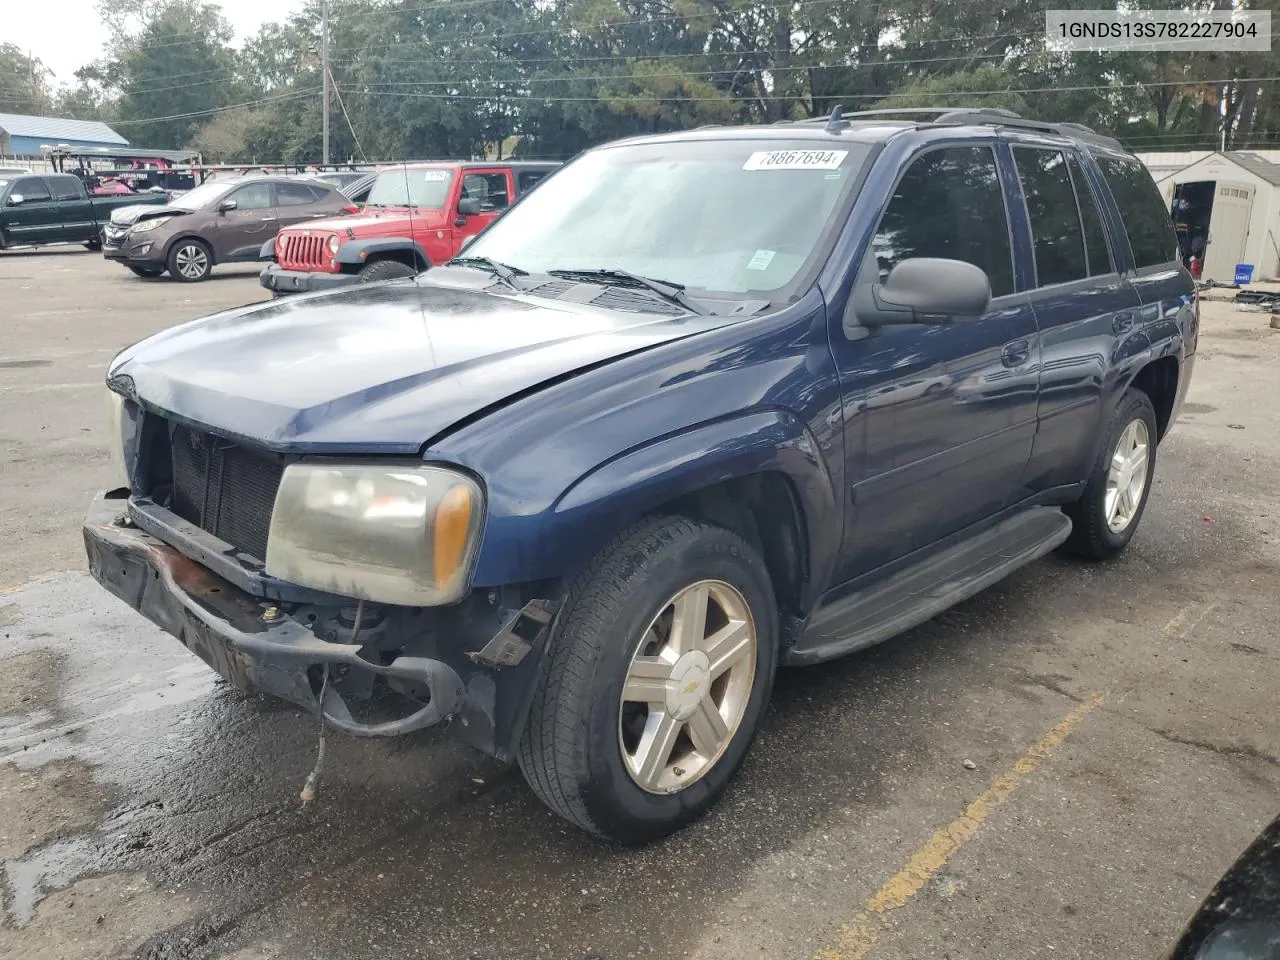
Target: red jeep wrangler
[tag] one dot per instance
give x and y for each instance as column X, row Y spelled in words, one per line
column 417, row 214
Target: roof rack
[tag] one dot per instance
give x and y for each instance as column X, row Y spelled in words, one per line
column 838, row 120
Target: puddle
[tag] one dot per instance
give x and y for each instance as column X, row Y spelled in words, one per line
column 51, row 868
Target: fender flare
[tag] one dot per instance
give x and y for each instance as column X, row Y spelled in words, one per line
column 357, row 252
column 620, row 491
column 268, row 250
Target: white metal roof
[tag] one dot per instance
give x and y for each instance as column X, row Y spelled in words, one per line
column 57, row 129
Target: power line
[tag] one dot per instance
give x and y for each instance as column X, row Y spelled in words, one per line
column 295, row 95
column 825, row 96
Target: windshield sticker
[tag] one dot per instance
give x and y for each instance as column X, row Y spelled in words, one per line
column 795, row 160
column 435, row 176
column 761, row 260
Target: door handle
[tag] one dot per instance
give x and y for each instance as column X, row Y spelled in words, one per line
column 1122, row 322
column 1015, row 353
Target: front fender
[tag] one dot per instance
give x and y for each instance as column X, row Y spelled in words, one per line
column 358, row 252
column 268, row 250
column 617, row 493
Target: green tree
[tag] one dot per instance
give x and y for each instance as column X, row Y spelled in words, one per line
column 24, row 82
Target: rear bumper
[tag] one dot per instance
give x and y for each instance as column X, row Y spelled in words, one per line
column 273, row 653
column 281, row 281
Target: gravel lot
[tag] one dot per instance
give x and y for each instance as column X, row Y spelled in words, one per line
column 1119, row 721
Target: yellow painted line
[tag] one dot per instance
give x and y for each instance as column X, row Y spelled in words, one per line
column 856, row 938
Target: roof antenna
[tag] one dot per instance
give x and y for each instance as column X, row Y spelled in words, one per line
column 836, row 122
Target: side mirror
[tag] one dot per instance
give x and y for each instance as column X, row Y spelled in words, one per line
column 923, row 290
column 468, row 207
column 226, row 205
column 16, row 199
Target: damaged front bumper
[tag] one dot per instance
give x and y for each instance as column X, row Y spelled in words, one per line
column 475, row 663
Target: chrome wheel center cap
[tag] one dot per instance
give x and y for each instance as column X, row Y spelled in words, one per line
column 690, row 682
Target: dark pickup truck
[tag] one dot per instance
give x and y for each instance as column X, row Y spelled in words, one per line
column 701, row 405
column 35, row 210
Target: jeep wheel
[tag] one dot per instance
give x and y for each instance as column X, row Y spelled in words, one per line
column 146, row 271
column 656, row 676
column 190, row 261
column 385, row 270
column 1107, row 515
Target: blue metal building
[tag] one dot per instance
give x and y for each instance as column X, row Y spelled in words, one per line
column 32, row 137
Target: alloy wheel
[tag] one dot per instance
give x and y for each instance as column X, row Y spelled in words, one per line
column 192, row 261
column 687, row 687
column 1127, row 475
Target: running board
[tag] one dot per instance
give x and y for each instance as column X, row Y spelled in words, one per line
column 913, row 595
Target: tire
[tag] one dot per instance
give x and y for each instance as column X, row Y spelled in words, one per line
column 146, row 271
column 1097, row 533
column 93, row 246
column 190, row 260
column 385, row 270
column 572, row 750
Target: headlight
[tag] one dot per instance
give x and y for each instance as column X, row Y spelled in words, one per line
column 115, row 434
column 146, row 226
column 333, row 243
column 403, row 535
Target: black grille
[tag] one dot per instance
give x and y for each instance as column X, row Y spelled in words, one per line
column 223, row 488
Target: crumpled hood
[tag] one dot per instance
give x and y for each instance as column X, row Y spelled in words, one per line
column 381, row 368
column 132, row 213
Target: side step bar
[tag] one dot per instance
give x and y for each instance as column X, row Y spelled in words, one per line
column 921, row 591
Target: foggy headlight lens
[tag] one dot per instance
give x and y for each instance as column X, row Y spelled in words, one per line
column 115, row 434
column 333, row 243
column 403, row 535
column 146, row 226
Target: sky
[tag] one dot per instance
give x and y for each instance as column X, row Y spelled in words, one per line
column 77, row 35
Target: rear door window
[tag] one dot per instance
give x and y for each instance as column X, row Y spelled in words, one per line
column 949, row 204
column 31, row 189
column 294, row 194
column 1147, row 222
column 67, row 188
column 1055, row 221
column 1095, row 236
column 526, row 180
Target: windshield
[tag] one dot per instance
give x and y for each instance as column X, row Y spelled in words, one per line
column 731, row 216
column 204, row 194
column 409, row 187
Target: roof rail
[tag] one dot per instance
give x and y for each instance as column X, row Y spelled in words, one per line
column 956, row 116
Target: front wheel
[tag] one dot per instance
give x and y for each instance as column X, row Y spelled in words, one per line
column 190, row 261
column 1106, row 516
column 657, row 674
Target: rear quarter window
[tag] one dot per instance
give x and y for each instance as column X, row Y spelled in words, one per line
column 1147, row 222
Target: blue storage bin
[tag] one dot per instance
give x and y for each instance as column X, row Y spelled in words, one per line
column 1244, row 274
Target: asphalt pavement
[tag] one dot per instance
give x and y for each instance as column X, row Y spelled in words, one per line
column 1060, row 767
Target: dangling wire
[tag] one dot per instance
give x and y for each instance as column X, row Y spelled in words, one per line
column 313, row 778
column 309, row 787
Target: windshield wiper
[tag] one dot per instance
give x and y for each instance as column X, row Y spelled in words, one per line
column 671, row 292
column 507, row 274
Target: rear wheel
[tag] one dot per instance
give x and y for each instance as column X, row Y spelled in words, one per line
column 1106, row 517
column 385, row 270
column 146, row 271
column 657, row 674
column 190, row 261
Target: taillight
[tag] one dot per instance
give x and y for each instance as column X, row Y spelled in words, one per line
column 351, row 208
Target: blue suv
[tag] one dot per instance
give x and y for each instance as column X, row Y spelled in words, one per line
column 703, row 404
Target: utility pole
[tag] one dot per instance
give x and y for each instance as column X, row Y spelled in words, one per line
column 324, row 69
